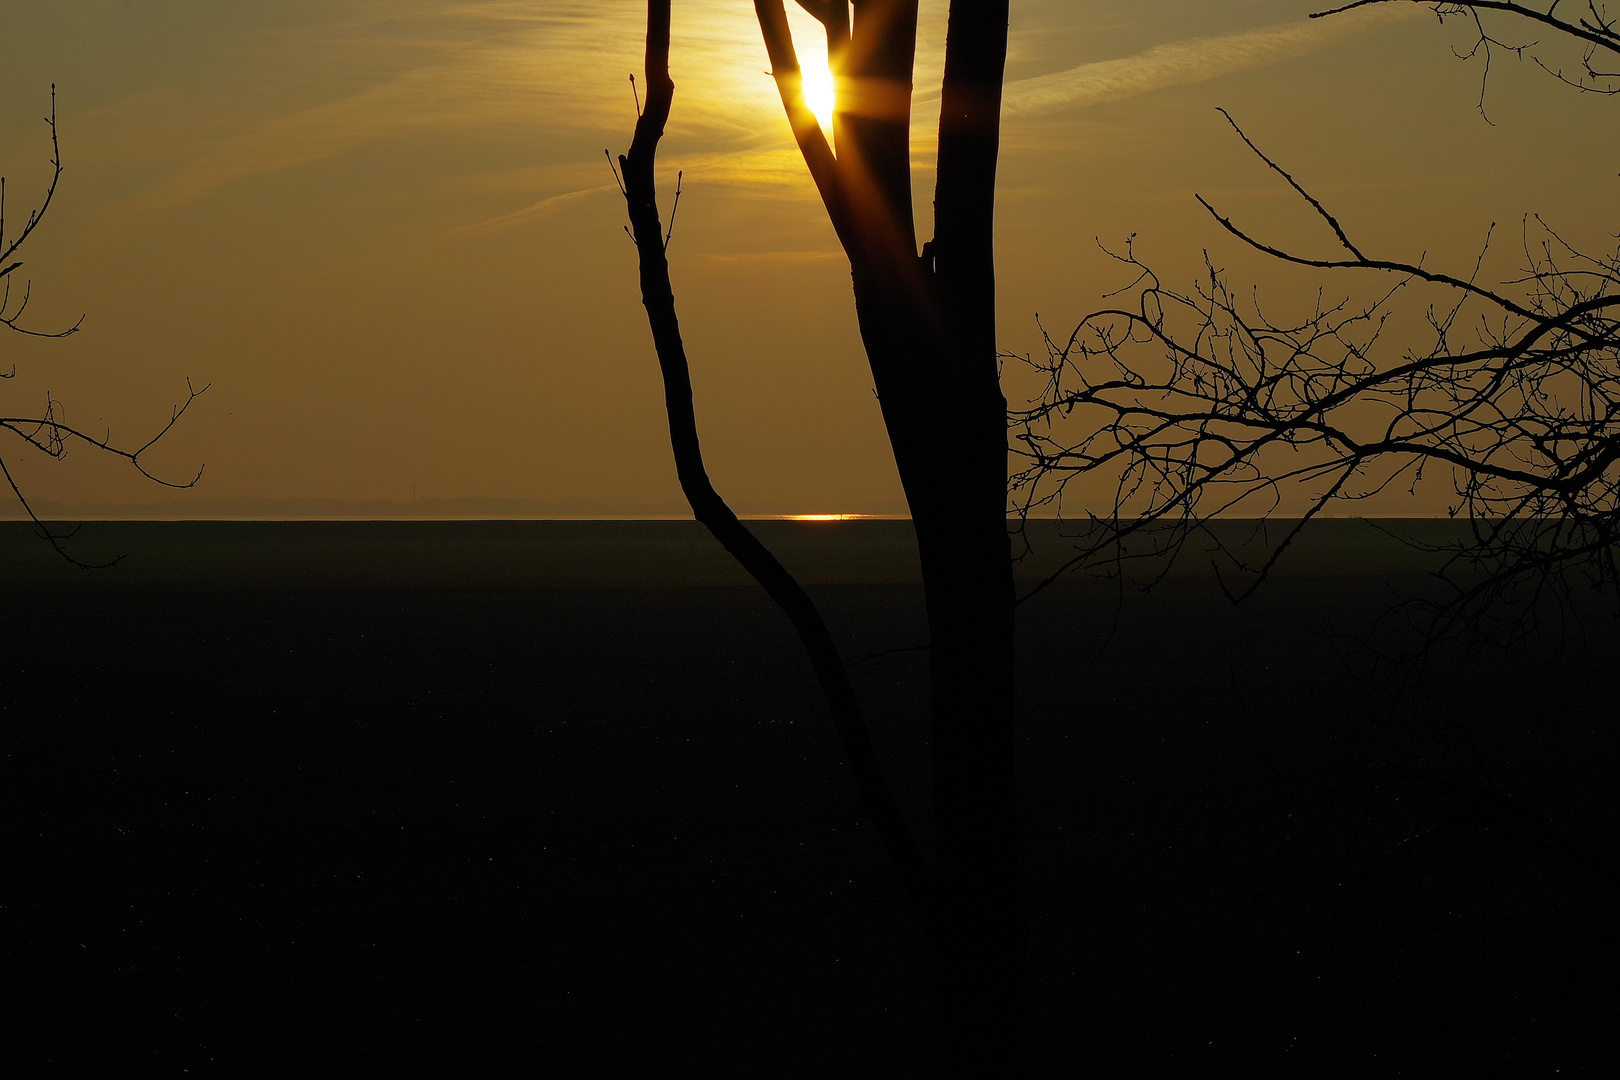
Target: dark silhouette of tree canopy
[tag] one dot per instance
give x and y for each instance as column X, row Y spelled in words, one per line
column 927, row 320
column 48, row 432
column 1202, row 404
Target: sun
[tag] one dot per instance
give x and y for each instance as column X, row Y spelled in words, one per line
column 818, row 93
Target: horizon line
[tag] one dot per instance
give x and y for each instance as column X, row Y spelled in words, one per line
column 802, row 518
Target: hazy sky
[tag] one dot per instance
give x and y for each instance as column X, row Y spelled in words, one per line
column 385, row 232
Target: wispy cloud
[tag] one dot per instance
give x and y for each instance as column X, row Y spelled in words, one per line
column 775, row 170
column 1194, row 60
column 533, row 212
column 559, row 69
column 415, row 101
column 770, row 167
column 558, row 73
column 754, row 260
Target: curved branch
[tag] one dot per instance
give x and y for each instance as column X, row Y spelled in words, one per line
column 1528, row 424
column 1363, row 263
column 34, row 218
column 57, row 435
column 708, row 507
column 1600, row 34
column 48, row 433
column 53, row 538
column 8, row 317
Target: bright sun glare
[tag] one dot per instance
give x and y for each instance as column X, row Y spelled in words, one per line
column 818, row 93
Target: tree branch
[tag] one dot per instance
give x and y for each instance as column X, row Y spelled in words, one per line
column 1528, row 424
column 48, row 433
column 658, row 298
column 1599, row 32
column 812, row 141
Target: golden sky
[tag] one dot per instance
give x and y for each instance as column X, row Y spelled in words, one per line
column 385, row 232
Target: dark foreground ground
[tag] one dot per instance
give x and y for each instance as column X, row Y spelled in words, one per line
column 560, row 799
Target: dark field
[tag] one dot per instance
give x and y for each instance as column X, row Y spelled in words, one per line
column 560, row 798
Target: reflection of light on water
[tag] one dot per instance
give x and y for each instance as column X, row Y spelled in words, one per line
column 822, row 517
column 818, row 92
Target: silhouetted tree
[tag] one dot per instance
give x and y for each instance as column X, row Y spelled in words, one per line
column 927, row 320
column 48, row 432
column 1202, row 404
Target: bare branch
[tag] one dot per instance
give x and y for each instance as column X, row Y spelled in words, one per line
column 1280, row 171
column 1596, row 30
column 46, row 533
column 48, row 432
column 1202, row 405
column 708, row 506
column 1599, row 30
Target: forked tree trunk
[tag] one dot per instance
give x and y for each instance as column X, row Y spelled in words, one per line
column 928, row 324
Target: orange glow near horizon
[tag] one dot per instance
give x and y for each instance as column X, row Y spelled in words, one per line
column 336, row 154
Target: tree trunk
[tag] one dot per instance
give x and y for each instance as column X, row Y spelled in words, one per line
column 967, row 568
column 951, row 451
column 928, row 325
